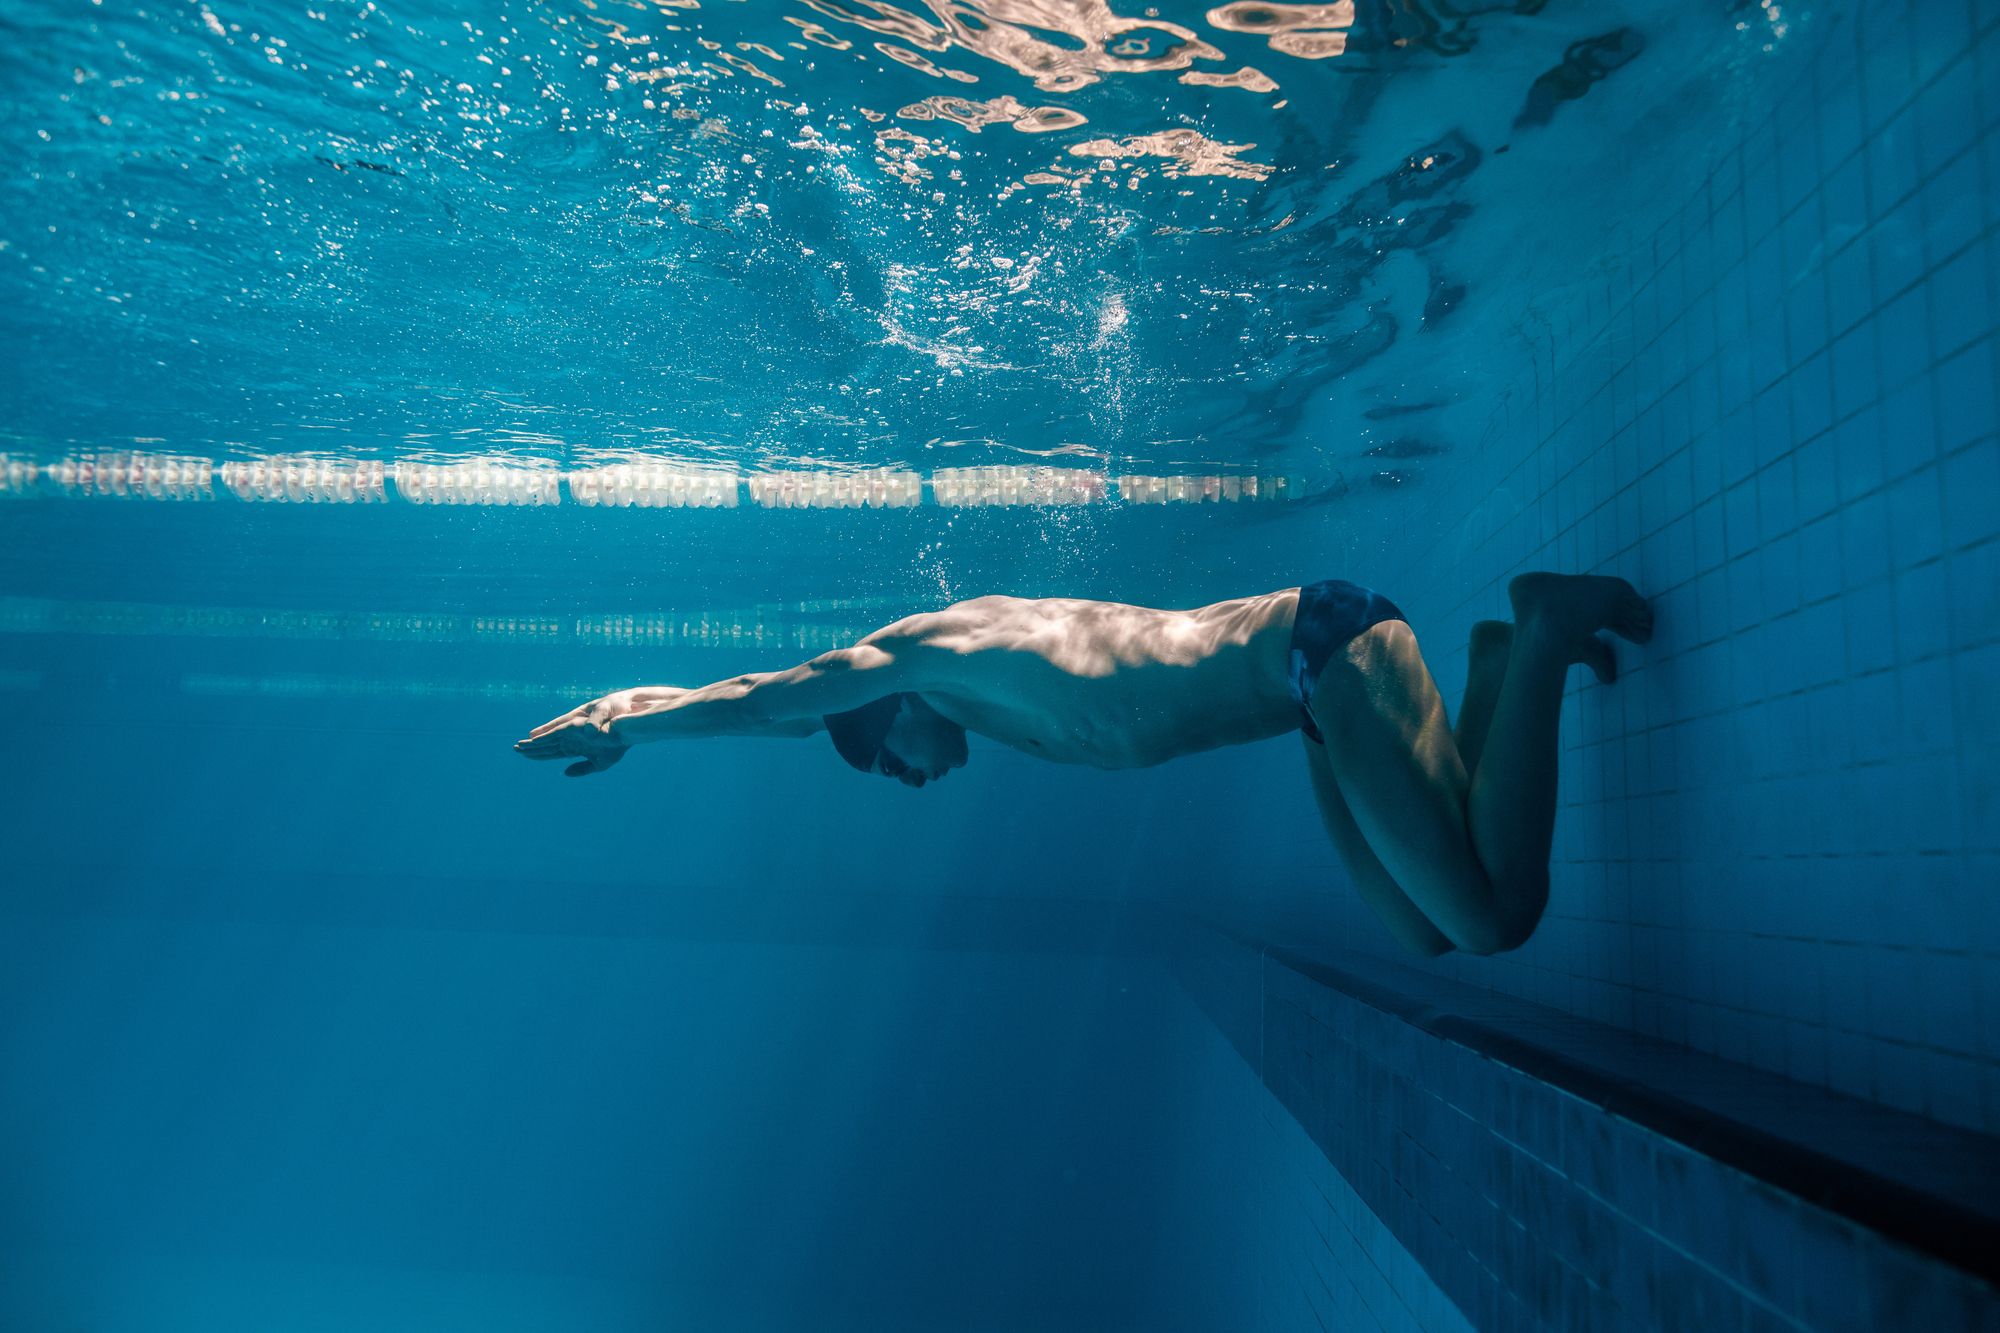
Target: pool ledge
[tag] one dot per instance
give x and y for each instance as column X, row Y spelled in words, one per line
column 1551, row 1172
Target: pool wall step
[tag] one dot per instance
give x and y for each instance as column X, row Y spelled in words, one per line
column 1552, row 1173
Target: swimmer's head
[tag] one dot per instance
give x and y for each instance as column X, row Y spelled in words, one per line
column 900, row 737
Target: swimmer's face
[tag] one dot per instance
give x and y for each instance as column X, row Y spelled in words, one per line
column 922, row 745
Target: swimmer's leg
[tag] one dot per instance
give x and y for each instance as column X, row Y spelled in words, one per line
column 1470, row 849
column 1412, row 929
column 1486, row 666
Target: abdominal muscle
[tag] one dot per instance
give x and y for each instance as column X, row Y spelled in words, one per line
column 1063, row 735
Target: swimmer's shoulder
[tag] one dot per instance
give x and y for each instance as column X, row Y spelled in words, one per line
column 961, row 626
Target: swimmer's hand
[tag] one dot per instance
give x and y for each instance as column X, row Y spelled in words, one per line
column 591, row 734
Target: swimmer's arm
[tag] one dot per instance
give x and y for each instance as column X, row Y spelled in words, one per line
column 603, row 729
column 898, row 657
column 920, row 652
column 787, row 703
column 775, row 703
column 708, row 720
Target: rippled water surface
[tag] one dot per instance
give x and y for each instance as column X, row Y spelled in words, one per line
column 843, row 232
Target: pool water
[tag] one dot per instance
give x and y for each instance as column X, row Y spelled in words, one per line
column 382, row 379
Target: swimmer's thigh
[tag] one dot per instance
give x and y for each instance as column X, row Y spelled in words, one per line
column 1411, row 928
column 1391, row 751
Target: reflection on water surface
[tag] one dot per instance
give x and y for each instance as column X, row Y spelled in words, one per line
column 1186, row 238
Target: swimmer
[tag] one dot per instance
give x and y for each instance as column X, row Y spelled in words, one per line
column 1446, row 832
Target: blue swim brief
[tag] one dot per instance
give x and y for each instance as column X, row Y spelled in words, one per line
column 1330, row 613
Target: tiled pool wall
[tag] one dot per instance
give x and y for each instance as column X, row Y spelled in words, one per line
column 1779, row 837
column 1309, row 1252
column 1537, row 1193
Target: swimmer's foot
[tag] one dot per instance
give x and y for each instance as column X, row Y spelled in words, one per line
column 1493, row 640
column 1574, row 607
column 1596, row 654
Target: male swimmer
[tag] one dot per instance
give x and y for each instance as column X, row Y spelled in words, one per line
column 1446, row 832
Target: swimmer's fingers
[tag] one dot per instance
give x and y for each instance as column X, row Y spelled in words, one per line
column 557, row 723
column 545, row 746
column 570, row 740
column 583, row 741
column 595, row 764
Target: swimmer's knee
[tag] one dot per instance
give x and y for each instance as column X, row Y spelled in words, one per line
column 1506, row 927
column 1431, row 948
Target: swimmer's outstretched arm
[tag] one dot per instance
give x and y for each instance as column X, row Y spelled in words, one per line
column 771, row 703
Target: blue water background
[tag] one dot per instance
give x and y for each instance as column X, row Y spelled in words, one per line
column 320, row 1009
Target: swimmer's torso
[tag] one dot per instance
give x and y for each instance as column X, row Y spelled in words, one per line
column 1106, row 684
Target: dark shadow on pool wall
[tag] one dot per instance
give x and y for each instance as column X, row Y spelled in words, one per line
column 1584, row 65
